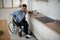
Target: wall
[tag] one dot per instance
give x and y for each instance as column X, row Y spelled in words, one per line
column 50, row 8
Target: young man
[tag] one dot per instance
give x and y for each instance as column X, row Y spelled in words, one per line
column 20, row 20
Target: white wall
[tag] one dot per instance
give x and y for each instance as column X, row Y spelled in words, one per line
column 50, row 8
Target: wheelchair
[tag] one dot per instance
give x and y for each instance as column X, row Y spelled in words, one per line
column 13, row 28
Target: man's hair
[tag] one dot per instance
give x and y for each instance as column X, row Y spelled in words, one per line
column 24, row 5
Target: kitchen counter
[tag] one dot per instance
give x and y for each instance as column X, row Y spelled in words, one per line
column 51, row 25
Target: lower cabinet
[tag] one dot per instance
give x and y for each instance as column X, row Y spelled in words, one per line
column 41, row 31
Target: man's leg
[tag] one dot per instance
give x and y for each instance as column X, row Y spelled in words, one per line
column 25, row 25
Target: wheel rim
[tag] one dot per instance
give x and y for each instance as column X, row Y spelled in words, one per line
column 12, row 28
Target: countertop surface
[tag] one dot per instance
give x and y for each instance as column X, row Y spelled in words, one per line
column 52, row 25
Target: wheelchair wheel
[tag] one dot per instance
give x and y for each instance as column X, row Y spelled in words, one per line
column 12, row 27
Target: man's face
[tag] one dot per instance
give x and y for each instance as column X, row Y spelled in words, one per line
column 24, row 9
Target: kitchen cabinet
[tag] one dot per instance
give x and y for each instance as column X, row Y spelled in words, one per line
column 41, row 30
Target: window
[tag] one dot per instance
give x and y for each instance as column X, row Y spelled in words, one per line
column 7, row 3
column 16, row 3
column 0, row 3
column 42, row 0
column 10, row 3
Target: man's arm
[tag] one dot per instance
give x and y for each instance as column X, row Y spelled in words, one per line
column 14, row 17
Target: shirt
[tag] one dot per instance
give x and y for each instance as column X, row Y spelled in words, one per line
column 18, row 15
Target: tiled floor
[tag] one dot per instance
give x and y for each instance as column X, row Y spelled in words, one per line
column 16, row 37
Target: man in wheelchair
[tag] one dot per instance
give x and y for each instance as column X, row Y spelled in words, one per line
column 20, row 20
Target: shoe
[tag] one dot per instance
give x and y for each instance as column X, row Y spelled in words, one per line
column 20, row 34
column 30, row 33
column 28, row 36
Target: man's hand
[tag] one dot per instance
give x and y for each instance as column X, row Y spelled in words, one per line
column 15, row 20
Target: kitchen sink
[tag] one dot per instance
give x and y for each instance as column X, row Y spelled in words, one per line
column 45, row 19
